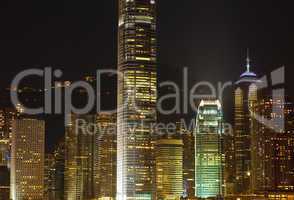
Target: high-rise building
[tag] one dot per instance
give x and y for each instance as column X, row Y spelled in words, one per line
column 209, row 157
column 49, row 175
column 188, row 160
column 169, row 169
column 105, row 158
column 54, row 173
column 229, row 170
column 59, row 162
column 245, row 101
column 137, row 94
column 4, row 169
column 273, row 151
column 79, row 157
column 7, row 116
column 27, row 159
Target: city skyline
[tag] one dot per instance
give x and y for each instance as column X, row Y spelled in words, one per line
column 226, row 37
column 169, row 107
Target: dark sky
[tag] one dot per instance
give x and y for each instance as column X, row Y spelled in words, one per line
column 208, row 36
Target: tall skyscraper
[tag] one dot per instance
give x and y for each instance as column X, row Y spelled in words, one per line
column 137, row 93
column 169, row 169
column 209, row 157
column 79, row 157
column 188, row 160
column 105, row 172
column 273, row 158
column 27, row 159
column 245, row 100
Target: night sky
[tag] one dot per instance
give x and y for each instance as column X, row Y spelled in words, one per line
column 208, row 36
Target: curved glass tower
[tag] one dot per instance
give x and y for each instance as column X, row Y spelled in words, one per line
column 137, row 93
column 208, row 150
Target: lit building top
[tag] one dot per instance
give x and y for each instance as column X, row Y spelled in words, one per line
column 248, row 75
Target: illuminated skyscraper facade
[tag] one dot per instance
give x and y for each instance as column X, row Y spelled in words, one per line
column 105, row 173
column 27, row 159
column 246, row 98
column 57, row 175
column 229, row 170
column 49, row 176
column 79, row 159
column 273, row 160
column 169, row 169
column 188, row 160
column 209, row 158
column 137, row 93
column 7, row 116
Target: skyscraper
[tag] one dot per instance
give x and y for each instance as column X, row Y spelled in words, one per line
column 79, row 157
column 273, row 159
column 209, row 158
column 245, row 101
column 188, row 160
column 7, row 116
column 59, row 162
column 137, row 93
column 169, row 169
column 105, row 172
column 230, row 168
column 49, row 175
column 27, row 159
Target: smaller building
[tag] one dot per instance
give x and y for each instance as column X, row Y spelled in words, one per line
column 169, row 169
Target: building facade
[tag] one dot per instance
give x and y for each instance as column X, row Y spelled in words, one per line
column 137, row 94
column 59, row 167
column 209, row 157
column 188, row 160
column 273, row 160
column 79, row 157
column 49, row 176
column 105, row 173
column 246, row 99
column 169, row 169
column 27, row 159
column 7, row 116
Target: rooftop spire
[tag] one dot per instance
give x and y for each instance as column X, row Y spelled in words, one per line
column 248, row 61
column 248, row 73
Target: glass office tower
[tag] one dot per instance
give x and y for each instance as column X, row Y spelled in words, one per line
column 169, row 169
column 79, row 157
column 208, row 150
column 137, row 93
column 246, row 98
column 105, row 157
column 27, row 159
